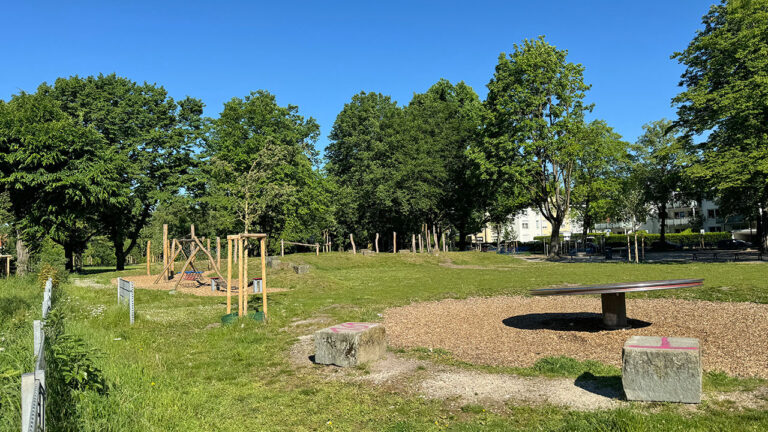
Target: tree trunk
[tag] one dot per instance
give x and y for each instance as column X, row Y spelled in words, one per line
column 22, row 256
column 69, row 255
column 663, row 223
column 120, row 253
column 554, row 239
column 629, row 250
column 637, row 257
column 586, row 225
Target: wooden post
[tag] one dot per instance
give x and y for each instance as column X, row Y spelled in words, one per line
column 240, row 277
column 394, row 242
column 149, row 255
column 166, row 252
column 263, row 247
column 172, row 270
column 229, row 276
column 377, row 242
column 421, row 245
column 445, row 249
column 317, row 249
column 352, row 239
column 437, row 248
column 428, row 241
column 413, row 243
column 218, row 252
column 192, row 230
column 245, row 276
column 282, row 248
column 186, row 264
column 237, row 251
column 629, row 250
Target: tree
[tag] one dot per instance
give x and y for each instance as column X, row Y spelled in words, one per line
column 632, row 206
column 598, row 174
column 56, row 173
column 442, row 124
column 725, row 102
column 258, row 165
column 535, row 111
column 151, row 139
column 367, row 159
column 661, row 154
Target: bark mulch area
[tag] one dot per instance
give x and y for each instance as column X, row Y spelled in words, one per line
column 517, row 331
column 201, row 287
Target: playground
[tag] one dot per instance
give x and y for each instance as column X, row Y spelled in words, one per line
column 468, row 347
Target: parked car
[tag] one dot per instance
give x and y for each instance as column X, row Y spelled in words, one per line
column 658, row 245
column 733, row 244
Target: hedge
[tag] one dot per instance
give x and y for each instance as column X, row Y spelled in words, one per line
column 682, row 239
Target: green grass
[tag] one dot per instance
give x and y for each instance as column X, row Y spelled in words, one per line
column 20, row 304
column 175, row 370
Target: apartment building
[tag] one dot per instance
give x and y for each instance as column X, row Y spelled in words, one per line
column 526, row 225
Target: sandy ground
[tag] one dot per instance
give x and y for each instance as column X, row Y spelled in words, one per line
column 201, row 287
column 517, row 331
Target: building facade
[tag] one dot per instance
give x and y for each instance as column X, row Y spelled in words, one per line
column 523, row 227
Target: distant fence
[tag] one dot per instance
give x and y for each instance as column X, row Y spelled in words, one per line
column 33, row 389
column 125, row 294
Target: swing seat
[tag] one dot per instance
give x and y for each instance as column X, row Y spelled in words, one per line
column 191, row 275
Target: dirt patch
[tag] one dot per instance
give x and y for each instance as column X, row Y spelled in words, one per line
column 88, row 283
column 517, row 331
column 200, row 287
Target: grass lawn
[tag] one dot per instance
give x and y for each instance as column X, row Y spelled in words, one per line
column 175, row 371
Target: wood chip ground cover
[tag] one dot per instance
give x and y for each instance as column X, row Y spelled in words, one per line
column 516, row 331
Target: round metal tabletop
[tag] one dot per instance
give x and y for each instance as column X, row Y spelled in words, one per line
column 624, row 287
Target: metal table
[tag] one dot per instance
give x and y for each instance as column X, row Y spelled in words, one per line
column 612, row 296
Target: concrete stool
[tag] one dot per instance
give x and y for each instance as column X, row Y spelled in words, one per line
column 366, row 252
column 301, row 269
column 350, row 344
column 273, row 262
column 661, row 369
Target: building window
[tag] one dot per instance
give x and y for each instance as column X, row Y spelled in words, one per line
column 715, row 229
column 712, row 213
column 525, row 225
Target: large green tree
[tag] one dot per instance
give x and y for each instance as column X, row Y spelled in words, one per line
column 598, row 174
column 441, row 125
column 662, row 155
column 151, row 138
column 723, row 110
column 57, row 173
column 372, row 165
column 535, row 112
column 260, row 166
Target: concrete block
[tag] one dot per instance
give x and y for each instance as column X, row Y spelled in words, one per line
column 273, row 262
column 301, row 269
column 661, row 369
column 366, row 252
column 350, row 344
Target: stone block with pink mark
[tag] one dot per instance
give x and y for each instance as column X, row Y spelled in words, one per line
column 662, row 369
column 350, row 344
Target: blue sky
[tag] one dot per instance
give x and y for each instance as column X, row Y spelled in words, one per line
column 318, row 54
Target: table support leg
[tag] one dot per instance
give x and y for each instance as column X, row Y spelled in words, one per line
column 614, row 310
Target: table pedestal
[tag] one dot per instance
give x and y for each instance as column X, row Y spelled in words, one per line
column 614, row 310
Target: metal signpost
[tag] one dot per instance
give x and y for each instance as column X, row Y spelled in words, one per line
column 125, row 294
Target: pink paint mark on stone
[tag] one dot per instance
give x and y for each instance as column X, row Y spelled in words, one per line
column 664, row 345
column 354, row 326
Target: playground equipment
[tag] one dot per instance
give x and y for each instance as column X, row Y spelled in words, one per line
column 240, row 243
column 177, row 247
column 7, row 259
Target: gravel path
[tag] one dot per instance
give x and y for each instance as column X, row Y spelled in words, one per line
column 517, row 331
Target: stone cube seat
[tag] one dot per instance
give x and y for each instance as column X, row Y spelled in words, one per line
column 301, row 269
column 350, row 344
column 661, row 369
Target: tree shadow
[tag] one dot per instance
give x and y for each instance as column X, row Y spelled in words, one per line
column 606, row 386
column 577, row 321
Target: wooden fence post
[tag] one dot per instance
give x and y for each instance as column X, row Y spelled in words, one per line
column 421, row 245
column 352, row 240
column 218, row 252
column 282, row 248
column 165, row 246
column 149, row 256
column 445, row 249
column 413, row 243
column 377, row 242
column 394, row 242
column 317, row 249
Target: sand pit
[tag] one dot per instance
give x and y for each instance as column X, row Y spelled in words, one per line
column 202, row 287
column 517, row 331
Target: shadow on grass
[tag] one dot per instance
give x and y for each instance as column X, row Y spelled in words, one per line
column 606, row 386
column 577, row 321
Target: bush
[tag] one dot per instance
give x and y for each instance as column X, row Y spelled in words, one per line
column 56, row 274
